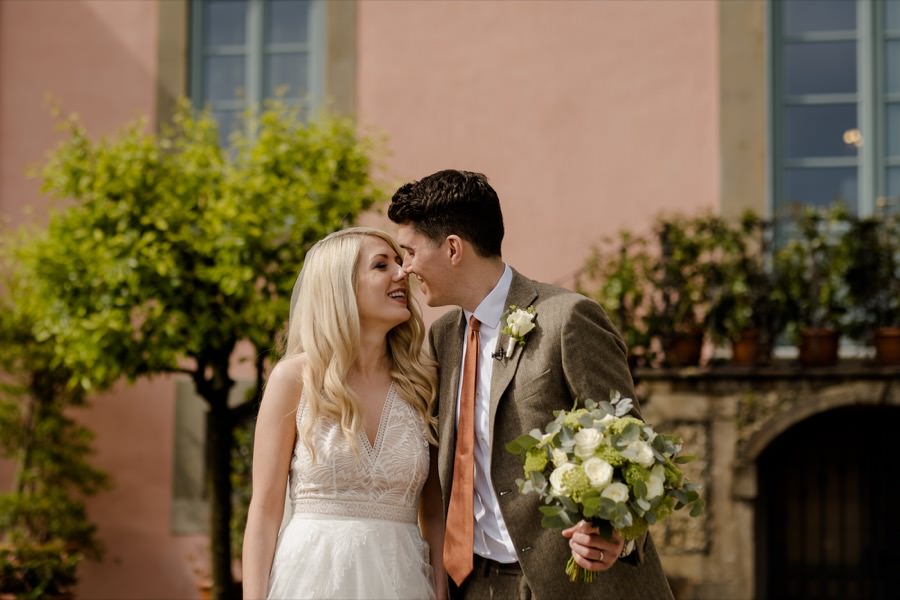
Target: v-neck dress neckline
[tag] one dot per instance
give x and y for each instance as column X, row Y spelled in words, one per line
column 372, row 450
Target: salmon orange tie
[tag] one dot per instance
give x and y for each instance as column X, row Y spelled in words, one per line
column 460, row 531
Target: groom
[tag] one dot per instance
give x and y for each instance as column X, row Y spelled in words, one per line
column 451, row 227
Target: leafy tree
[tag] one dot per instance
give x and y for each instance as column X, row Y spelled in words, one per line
column 44, row 530
column 171, row 250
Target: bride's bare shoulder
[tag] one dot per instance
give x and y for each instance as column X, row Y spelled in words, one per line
column 286, row 377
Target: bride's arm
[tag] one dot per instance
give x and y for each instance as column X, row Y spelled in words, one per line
column 431, row 518
column 272, row 449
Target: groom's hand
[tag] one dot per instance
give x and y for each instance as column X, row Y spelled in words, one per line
column 590, row 550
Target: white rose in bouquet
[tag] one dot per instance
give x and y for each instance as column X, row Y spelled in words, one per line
column 557, row 478
column 655, row 482
column 617, row 492
column 586, row 441
column 559, row 457
column 639, row 452
column 599, row 472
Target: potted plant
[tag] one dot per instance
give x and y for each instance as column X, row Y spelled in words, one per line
column 873, row 279
column 745, row 313
column 615, row 275
column 680, row 296
column 811, row 281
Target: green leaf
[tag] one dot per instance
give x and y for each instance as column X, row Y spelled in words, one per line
column 521, row 444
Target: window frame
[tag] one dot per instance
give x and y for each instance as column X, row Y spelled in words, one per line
column 254, row 50
column 871, row 161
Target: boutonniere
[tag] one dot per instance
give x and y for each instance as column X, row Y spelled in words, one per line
column 518, row 323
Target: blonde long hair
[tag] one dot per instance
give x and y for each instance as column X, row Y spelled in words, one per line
column 324, row 324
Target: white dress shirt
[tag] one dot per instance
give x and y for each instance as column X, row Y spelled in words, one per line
column 492, row 539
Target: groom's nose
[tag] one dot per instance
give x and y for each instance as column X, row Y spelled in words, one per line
column 399, row 273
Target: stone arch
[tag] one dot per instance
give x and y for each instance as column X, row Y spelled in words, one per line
column 815, row 403
column 823, row 512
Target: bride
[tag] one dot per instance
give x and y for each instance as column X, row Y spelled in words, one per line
column 346, row 424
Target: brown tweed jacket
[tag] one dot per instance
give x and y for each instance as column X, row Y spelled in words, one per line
column 573, row 352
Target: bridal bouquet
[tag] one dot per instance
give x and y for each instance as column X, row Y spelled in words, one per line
column 599, row 464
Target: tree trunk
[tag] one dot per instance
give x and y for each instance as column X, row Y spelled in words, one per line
column 25, row 454
column 220, row 439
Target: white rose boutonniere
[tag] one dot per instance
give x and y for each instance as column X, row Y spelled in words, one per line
column 518, row 323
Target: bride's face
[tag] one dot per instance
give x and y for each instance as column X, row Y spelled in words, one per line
column 381, row 285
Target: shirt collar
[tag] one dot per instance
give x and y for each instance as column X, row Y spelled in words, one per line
column 491, row 308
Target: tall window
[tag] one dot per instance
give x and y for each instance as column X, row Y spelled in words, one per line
column 891, row 97
column 836, row 103
column 244, row 51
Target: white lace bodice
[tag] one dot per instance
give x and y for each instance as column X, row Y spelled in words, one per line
column 380, row 482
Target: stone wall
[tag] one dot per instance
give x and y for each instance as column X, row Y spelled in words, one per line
column 727, row 416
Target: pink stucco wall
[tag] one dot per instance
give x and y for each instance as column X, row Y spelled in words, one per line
column 135, row 443
column 97, row 59
column 94, row 58
column 586, row 116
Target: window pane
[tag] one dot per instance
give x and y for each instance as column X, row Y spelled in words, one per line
column 892, row 112
column 804, row 16
column 288, row 22
column 820, row 186
column 289, row 70
column 892, row 15
column 892, row 66
column 227, row 120
column 893, row 183
column 819, row 130
column 224, row 77
column 226, row 22
column 820, row 67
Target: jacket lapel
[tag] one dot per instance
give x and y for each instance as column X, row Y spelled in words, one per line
column 522, row 294
column 449, row 355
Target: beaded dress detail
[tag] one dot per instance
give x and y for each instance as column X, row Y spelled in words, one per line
column 353, row 530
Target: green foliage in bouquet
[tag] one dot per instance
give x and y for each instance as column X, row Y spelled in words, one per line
column 606, row 467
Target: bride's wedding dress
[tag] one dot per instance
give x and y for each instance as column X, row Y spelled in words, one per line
column 353, row 532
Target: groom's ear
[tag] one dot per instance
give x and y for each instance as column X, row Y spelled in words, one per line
column 454, row 249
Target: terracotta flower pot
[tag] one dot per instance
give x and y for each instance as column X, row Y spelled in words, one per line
column 887, row 345
column 745, row 351
column 684, row 351
column 819, row 347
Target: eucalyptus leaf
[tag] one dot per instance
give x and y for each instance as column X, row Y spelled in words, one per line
column 521, row 444
column 624, row 406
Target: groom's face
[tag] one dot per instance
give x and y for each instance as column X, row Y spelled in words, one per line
column 429, row 264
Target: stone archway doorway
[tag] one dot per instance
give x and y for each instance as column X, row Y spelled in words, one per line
column 828, row 508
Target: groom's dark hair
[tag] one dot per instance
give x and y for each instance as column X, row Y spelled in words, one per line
column 452, row 202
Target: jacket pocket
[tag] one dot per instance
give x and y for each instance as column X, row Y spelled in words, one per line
column 533, row 385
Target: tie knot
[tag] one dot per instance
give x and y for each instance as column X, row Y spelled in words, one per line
column 474, row 324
